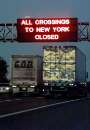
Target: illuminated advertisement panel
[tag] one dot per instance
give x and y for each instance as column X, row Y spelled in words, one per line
column 23, row 68
column 59, row 63
column 47, row 29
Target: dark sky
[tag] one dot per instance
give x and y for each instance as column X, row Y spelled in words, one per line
column 10, row 10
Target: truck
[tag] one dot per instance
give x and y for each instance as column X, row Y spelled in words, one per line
column 64, row 71
column 61, row 71
column 26, row 73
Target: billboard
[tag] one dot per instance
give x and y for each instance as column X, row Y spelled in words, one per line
column 59, row 63
column 22, row 68
column 47, row 29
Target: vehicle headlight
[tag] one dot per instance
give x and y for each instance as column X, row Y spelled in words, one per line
column 43, row 90
column 7, row 88
column 32, row 86
column 46, row 84
column 14, row 86
column 71, row 84
column 23, row 88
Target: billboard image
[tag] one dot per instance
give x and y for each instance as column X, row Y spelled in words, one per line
column 59, row 63
column 47, row 29
column 22, row 67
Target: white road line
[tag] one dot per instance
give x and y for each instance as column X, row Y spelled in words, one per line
column 33, row 109
column 17, row 99
column 8, row 100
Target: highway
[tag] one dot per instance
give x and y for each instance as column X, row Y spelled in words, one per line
column 39, row 113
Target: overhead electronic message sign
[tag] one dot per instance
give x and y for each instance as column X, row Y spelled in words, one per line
column 47, row 29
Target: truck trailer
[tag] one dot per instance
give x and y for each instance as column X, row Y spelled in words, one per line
column 61, row 71
column 26, row 73
column 64, row 71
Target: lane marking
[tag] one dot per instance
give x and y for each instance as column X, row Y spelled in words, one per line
column 4, row 101
column 10, row 100
column 37, row 108
column 17, row 99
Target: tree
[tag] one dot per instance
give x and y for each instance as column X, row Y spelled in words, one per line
column 3, row 71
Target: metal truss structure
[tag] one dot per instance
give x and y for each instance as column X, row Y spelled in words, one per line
column 83, row 31
column 8, row 32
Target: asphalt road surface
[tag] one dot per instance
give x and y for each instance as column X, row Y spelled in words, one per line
column 44, row 114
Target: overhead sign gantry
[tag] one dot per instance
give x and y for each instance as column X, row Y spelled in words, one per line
column 47, row 29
